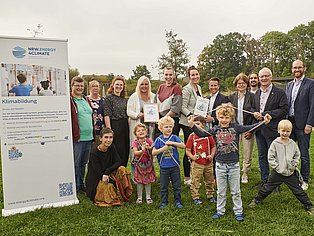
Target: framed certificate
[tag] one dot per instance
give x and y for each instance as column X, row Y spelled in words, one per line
column 201, row 106
column 151, row 113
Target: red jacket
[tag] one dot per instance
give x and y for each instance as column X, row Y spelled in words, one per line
column 74, row 120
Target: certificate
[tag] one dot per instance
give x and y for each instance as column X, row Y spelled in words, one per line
column 201, row 106
column 151, row 113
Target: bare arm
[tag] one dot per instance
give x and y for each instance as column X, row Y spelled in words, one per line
column 107, row 122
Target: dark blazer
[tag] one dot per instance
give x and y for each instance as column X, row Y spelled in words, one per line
column 247, row 105
column 218, row 101
column 276, row 106
column 303, row 104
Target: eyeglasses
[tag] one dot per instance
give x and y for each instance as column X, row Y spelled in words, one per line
column 241, row 83
column 297, row 67
column 264, row 76
column 254, row 77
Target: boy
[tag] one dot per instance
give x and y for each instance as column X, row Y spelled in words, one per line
column 283, row 157
column 165, row 147
column 227, row 157
column 201, row 151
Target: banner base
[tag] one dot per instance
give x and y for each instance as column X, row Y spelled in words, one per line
column 33, row 208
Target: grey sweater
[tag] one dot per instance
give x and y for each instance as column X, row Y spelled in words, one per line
column 283, row 158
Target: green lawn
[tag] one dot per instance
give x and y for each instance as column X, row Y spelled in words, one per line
column 280, row 214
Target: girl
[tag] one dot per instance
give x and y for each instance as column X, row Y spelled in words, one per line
column 144, row 173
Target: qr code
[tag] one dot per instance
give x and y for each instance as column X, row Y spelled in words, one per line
column 65, row 189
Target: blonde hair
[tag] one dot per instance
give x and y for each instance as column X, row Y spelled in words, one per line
column 165, row 120
column 93, row 82
column 225, row 109
column 285, row 124
column 139, row 82
column 139, row 125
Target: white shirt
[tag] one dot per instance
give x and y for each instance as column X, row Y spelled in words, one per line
column 264, row 96
column 295, row 90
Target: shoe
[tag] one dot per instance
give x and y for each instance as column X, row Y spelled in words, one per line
column 310, row 211
column 149, row 201
column 212, row 200
column 239, row 217
column 163, row 206
column 197, row 201
column 188, row 182
column 179, row 205
column 305, row 186
column 253, row 203
column 139, row 201
column 244, row 179
column 216, row 216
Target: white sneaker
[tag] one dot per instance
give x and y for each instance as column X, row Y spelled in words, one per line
column 139, row 201
column 188, row 182
column 305, row 186
column 244, row 179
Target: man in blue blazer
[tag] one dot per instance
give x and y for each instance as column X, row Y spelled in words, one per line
column 272, row 100
column 300, row 93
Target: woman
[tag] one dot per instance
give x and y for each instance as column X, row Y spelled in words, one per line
column 169, row 99
column 98, row 107
column 190, row 93
column 116, row 118
column 135, row 105
column 243, row 99
column 107, row 182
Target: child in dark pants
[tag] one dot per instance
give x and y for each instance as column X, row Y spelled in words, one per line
column 283, row 157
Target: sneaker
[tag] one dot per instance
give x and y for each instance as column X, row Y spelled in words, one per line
column 163, row 206
column 305, row 186
column 188, row 182
column 239, row 217
column 216, row 216
column 310, row 211
column 212, row 200
column 253, row 203
column 197, row 201
column 244, row 179
column 149, row 201
column 179, row 205
column 139, row 201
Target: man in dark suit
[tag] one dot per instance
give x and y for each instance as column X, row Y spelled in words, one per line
column 272, row 100
column 215, row 99
column 300, row 93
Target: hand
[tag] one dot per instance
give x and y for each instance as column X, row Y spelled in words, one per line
column 307, row 129
column 191, row 120
column 140, row 115
column 105, row 178
column 267, row 118
column 248, row 135
column 193, row 158
column 257, row 115
column 209, row 119
column 169, row 143
column 209, row 157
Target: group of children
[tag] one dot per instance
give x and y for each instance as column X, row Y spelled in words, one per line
column 221, row 142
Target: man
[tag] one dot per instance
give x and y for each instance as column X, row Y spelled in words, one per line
column 253, row 79
column 272, row 100
column 82, row 130
column 215, row 99
column 300, row 93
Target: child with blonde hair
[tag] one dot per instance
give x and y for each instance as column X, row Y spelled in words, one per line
column 166, row 148
column 144, row 173
column 226, row 135
column 283, row 157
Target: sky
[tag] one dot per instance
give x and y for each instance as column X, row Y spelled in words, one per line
column 117, row 35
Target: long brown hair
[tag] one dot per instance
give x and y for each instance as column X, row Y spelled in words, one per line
column 110, row 89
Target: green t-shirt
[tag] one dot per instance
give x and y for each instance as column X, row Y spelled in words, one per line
column 84, row 119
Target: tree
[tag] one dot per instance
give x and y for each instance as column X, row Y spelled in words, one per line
column 177, row 56
column 139, row 71
column 73, row 72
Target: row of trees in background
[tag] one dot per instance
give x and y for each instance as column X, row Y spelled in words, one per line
column 232, row 53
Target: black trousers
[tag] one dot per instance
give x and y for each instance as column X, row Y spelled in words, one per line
column 186, row 163
column 121, row 138
column 291, row 181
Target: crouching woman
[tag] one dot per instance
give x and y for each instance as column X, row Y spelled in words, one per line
column 107, row 181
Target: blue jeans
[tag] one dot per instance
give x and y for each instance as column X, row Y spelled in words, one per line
column 228, row 173
column 303, row 141
column 172, row 174
column 263, row 145
column 81, row 155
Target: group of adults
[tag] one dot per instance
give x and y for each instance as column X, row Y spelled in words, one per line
column 254, row 96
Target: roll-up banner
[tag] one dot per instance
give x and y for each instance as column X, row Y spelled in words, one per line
column 36, row 139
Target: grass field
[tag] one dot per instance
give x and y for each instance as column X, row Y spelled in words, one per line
column 280, row 214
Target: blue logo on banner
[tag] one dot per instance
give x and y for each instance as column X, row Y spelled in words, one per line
column 14, row 153
column 19, row 52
